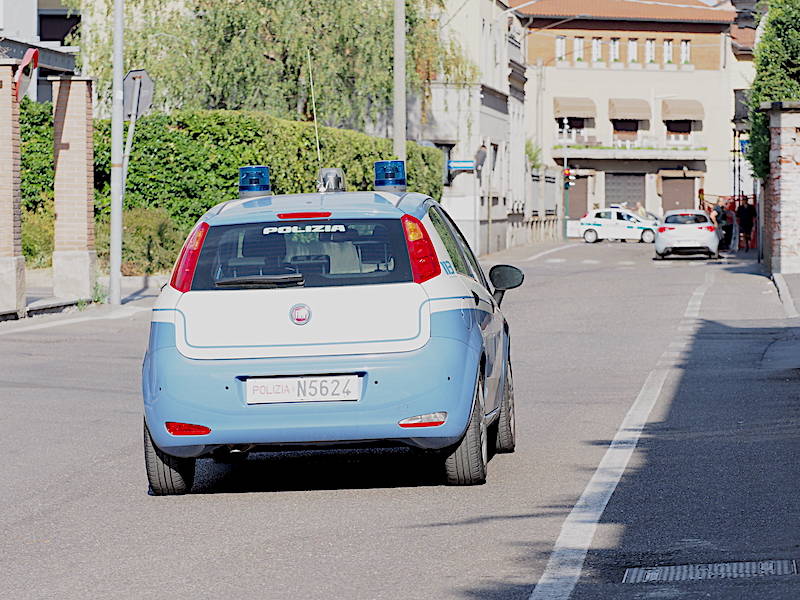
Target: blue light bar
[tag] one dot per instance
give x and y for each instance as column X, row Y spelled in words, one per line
column 390, row 175
column 254, row 181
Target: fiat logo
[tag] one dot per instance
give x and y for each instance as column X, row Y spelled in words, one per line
column 300, row 314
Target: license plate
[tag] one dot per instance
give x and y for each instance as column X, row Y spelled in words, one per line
column 330, row 388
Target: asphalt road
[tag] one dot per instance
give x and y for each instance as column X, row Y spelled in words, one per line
column 712, row 479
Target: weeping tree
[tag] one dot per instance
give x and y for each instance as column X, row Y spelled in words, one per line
column 254, row 54
column 777, row 60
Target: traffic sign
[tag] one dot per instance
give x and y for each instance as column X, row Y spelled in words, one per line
column 460, row 165
column 22, row 78
column 137, row 97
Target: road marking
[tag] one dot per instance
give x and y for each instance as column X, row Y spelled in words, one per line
column 589, row 261
column 569, row 553
column 625, row 262
column 555, row 260
column 123, row 311
column 546, row 252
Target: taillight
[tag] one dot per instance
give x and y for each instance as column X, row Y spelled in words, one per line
column 183, row 273
column 424, row 263
column 584, row 216
column 662, row 229
column 708, row 227
column 304, row 215
column 186, row 428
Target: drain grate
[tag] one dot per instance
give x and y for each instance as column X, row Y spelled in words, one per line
column 710, row 571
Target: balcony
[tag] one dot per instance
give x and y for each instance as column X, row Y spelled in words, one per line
column 584, row 145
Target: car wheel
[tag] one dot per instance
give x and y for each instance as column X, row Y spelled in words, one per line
column 648, row 237
column 506, row 436
column 168, row 475
column 466, row 463
column 590, row 236
column 659, row 256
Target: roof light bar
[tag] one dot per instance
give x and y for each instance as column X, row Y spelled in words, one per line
column 390, row 176
column 254, row 181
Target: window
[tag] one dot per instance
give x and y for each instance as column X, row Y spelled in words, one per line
column 571, row 123
column 577, row 48
column 449, row 241
column 329, row 252
column 597, row 49
column 625, row 125
column 682, row 127
column 614, row 50
column 606, row 214
column 495, row 152
column 462, row 243
column 686, row 52
column 633, row 50
column 667, row 51
column 561, row 47
column 686, row 219
column 650, row 51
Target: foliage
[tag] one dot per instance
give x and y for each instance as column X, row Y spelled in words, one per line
column 187, row 162
column 777, row 60
column 38, row 234
column 534, row 155
column 254, row 54
column 36, row 150
column 150, row 241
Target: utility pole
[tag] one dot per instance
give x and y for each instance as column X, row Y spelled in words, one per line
column 400, row 79
column 115, row 250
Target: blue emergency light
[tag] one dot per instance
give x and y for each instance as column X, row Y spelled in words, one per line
column 390, row 175
column 254, row 181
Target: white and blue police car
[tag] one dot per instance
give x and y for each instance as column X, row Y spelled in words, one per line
column 328, row 318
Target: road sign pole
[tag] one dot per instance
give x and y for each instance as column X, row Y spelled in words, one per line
column 115, row 250
column 400, row 79
column 137, row 88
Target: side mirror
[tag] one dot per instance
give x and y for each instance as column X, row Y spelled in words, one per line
column 505, row 277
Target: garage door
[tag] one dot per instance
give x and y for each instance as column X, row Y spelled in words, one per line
column 677, row 194
column 578, row 198
column 624, row 188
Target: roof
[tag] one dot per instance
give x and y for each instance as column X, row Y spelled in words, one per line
column 343, row 205
column 743, row 37
column 687, row 11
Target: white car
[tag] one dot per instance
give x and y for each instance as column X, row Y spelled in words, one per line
column 617, row 224
column 687, row 232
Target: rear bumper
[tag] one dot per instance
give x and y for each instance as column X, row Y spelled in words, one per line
column 438, row 377
column 666, row 245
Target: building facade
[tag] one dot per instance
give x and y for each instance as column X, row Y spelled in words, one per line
column 481, row 119
column 636, row 98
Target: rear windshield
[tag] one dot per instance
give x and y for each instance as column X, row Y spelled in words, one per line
column 324, row 253
column 686, row 219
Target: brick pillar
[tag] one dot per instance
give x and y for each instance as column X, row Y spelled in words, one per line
column 74, row 256
column 12, row 263
column 782, row 200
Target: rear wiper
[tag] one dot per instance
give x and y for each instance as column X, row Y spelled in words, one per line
column 263, row 281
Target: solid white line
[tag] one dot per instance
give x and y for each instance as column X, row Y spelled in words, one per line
column 564, row 567
column 546, row 252
column 115, row 314
column 555, row 260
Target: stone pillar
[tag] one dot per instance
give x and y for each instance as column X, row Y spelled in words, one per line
column 12, row 263
column 782, row 200
column 74, row 256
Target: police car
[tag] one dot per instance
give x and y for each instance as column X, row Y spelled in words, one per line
column 617, row 224
column 328, row 318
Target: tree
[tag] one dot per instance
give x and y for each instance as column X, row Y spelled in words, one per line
column 777, row 60
column 254, row 54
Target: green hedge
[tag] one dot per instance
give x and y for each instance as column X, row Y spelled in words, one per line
column 185, row 162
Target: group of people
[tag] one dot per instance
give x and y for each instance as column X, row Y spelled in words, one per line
column 726, row 221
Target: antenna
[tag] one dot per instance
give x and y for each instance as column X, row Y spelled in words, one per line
column 314, row 107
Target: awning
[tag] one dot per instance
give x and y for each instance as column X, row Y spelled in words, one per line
column 629, row 108
column 574, row 107
column 682, row 110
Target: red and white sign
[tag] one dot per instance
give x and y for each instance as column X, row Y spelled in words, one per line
column 22, row 78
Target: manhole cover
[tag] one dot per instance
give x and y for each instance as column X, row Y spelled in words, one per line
column 710, row 571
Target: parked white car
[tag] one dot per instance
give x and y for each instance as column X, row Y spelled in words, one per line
column 617, row 224
column 686, row 232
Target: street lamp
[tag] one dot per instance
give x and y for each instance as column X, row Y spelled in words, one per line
column 115, row 245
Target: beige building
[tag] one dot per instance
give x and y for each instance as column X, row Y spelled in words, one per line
column 636, row 97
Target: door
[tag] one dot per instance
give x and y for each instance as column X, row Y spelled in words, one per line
column 677, row 193
column 629, row 226
column 602, row 222
column 624, row 189
column 489, row 317
column 578, row 198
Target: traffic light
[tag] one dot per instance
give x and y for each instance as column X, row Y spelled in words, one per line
column 569, row 178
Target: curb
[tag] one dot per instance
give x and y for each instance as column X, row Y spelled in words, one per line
column 785, row 296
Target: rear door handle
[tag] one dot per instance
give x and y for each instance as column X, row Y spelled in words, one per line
column 477, row 298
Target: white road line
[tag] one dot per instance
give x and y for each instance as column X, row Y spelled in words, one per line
column 625, row 262
column 555, row 260
column 589, row 261
column 564, row 567
column 546, row 252
column 115, row 314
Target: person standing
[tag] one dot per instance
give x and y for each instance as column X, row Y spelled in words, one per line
column 746, row 214
column 720, row 218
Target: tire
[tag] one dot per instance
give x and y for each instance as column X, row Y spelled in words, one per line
column 659, row 256
column 466, row 464
column 648, row 237
column 168, row 475
column 590, row 236
column 506, row 434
